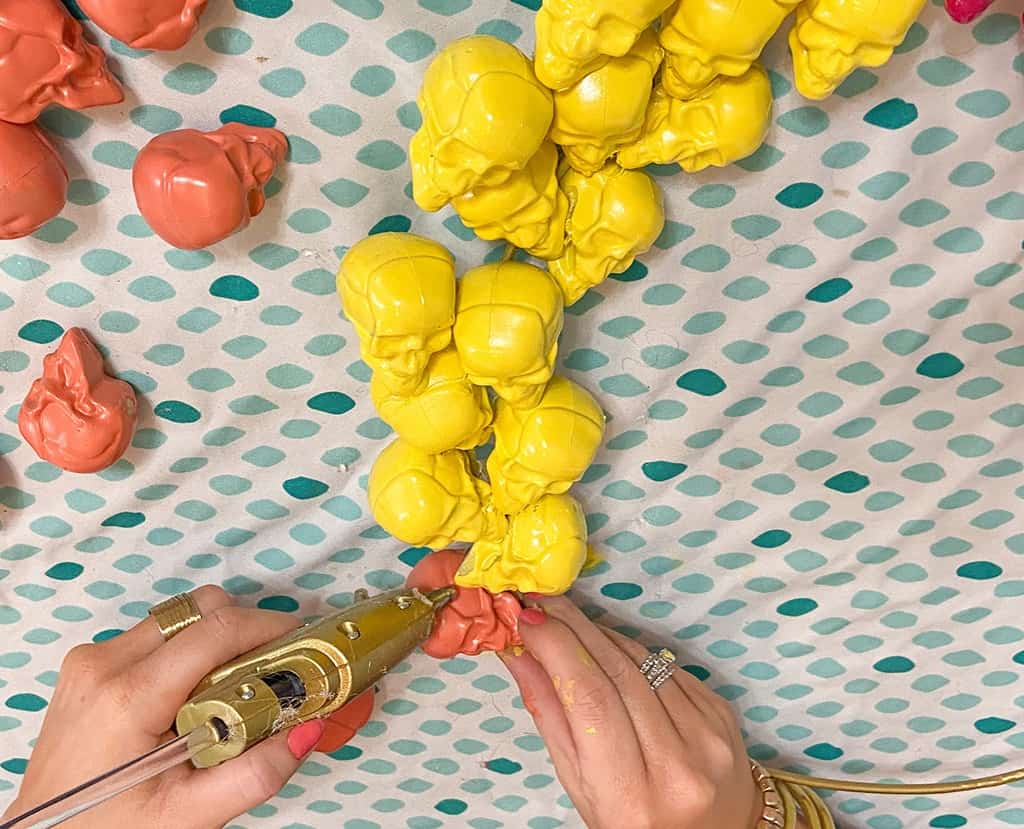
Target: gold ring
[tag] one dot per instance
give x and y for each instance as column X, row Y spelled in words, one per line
column 175, row 614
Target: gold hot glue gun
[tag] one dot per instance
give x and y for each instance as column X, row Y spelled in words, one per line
column 307, row 674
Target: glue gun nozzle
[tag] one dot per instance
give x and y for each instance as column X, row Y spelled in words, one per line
column 439, row 598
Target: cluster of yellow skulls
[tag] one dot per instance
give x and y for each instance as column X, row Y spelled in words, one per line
column 456, row 362
column 546, row 154
column 522, row 162
column 709, row 40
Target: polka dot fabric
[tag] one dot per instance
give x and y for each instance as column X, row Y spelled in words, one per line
column 812, row 483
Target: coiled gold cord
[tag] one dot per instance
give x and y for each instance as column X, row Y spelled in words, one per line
column 796, row 793
column 806, row 780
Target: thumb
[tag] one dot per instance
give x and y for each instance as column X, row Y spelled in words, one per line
column 226, row 791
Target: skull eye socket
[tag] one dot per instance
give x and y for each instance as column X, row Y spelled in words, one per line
column 573, row 37
column 393, row 346
column 815, row 35
column 725, row 65
column 438, row 341
column 609, row 244
column 532, row 378
column 699, row 161
column 872, row 54
column 617, row 35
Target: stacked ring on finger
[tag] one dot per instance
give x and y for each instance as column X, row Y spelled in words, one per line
column 175, row 614
column 658, row 667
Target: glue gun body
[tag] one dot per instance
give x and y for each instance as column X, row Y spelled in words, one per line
column 309, row 673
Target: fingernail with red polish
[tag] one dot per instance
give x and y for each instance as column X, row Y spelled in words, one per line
column 302, row 738
column 531, row 616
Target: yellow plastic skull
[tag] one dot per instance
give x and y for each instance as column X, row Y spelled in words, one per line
column 617, row 215
column 543, row 552
column 605, row 110
column 723, row 123
column 546, row 449
column 528, row 210
column 831, row 38
column 398, row 290
column 509, row 317
column 431, row 500
column 575, row 37
column 707, row 38
column 485, row 115
column 448, row 412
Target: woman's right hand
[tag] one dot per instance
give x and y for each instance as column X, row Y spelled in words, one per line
column 628, row 755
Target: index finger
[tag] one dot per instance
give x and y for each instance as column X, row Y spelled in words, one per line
column 597, row 716
column 165, row 679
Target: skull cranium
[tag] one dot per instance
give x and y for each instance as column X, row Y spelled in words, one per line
column 546, row 449
column 616, row 215
column 45, row 59
column 430, row 500
column 508, row 321
column 606, row 109
column 398, row 290
column 485, row 115
column 196, row 188
column 725, row 122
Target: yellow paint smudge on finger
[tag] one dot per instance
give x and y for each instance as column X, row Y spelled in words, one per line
column 568, row 695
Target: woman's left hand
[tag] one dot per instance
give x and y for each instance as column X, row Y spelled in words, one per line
column 628, row 755
column 118, row 699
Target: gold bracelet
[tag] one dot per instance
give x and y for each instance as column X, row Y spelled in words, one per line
column 773, row 813
column 783, row 802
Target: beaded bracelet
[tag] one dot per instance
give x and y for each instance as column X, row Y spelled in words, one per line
column 782, row 802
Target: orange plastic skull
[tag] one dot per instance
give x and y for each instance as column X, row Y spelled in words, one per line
column 33, row 181
column 474, row 621
column 75, row 416
column 431, row 500
column 146, row 24
column 508, row 320
column 398, row 290
column 196, row 188
column 45, row 59
column 529, row 210
column 485, row 115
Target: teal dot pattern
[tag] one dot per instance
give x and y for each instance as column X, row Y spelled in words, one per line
column 813, row 482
